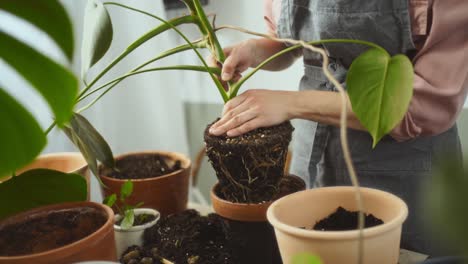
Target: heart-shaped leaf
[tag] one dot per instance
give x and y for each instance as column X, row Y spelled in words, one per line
column 91, row 138
column 49, row 16
column 21, row 137
column 97, row 35
column 380, row 88
column 55, row 83
column 40, row 187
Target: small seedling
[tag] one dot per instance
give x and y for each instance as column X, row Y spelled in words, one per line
column 126, row 210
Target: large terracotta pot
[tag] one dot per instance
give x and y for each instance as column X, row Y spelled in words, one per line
column 253, row 239
column 99, row 245
column 68, row 162
column 304, row 209
column 167, row 194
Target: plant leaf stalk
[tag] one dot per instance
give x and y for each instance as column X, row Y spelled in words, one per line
column 178, row 67
column 154, row 32
column 171, row 25
column 199, row 44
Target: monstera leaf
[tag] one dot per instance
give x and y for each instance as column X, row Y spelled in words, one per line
column 380, row 88
column 21, row 139
column 40, row 187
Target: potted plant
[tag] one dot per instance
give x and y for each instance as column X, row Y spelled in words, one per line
column 59, row 233
column 131, row 221
column 233, row 158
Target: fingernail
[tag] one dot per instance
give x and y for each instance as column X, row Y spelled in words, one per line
column 226, row 76
column 212, row 130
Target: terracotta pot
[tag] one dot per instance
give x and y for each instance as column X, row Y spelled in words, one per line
column 167, row 194
column 253, row 239
column 68, row 162
column 99, row 245
column 125, row 238
column 304, row 209
column 246, row 212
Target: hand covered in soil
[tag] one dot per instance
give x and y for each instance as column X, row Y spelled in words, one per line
column 253, row 109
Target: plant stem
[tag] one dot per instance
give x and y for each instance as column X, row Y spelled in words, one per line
column 181, row 48
column 179, row 67
column 50, row 128
column 172, row 25
column 154, row 32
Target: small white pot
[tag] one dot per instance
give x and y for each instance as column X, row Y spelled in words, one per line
column 125, row 238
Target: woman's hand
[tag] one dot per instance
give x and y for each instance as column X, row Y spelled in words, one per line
column 238, row 59
column 253, row 109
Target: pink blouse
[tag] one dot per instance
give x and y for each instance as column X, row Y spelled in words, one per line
column 440, row 66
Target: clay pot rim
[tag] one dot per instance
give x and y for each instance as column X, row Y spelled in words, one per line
column 340, row 235
column 138, row 228
column 185, row 164
column 72, row 248
column 257, row 210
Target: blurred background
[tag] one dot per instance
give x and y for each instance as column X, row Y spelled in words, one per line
column 155, row 111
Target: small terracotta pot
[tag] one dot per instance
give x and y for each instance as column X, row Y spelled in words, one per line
column 125, row 238
column 68, row 162
column 167, row 194
column 245, row 212
column 304, row 209
column 96, row 246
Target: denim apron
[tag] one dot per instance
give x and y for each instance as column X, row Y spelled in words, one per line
column 397, row 167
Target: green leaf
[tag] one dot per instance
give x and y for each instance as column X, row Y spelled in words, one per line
column 21, row 137
column 305, row 258
column 446, row 206
column 97, row 35
column 85, row 151
column 380, row 88
column 94, row 142
column 126, row 190
column 55, row 83
column 49, row 16
column 128, row 219
column 40, row 187
column 110, row 200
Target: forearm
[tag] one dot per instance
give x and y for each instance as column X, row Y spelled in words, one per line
column 321, row 106
column 265, row 48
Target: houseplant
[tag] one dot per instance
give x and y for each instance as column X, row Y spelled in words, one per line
column 387, row 74
column 131, row 221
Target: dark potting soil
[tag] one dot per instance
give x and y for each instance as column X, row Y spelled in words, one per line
column 188, row 238
column 142, row 167
column 140, row 219
column 342, row 220
column 42, row 232
column 249, row 167
column 140, row 255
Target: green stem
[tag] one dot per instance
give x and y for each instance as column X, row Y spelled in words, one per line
column 238, row 84
column 200, row 44
column 196, row 21
column 154, row 32
column 214, row 42
column 50, row 128
column 179, row 67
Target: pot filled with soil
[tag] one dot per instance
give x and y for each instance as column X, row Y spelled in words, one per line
column 249, row 167
column 144, row 218
column 56, row 234
column 160, row 180
column 68, row 162
column 323, row 222
column 186, row 238
column 250, row 235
